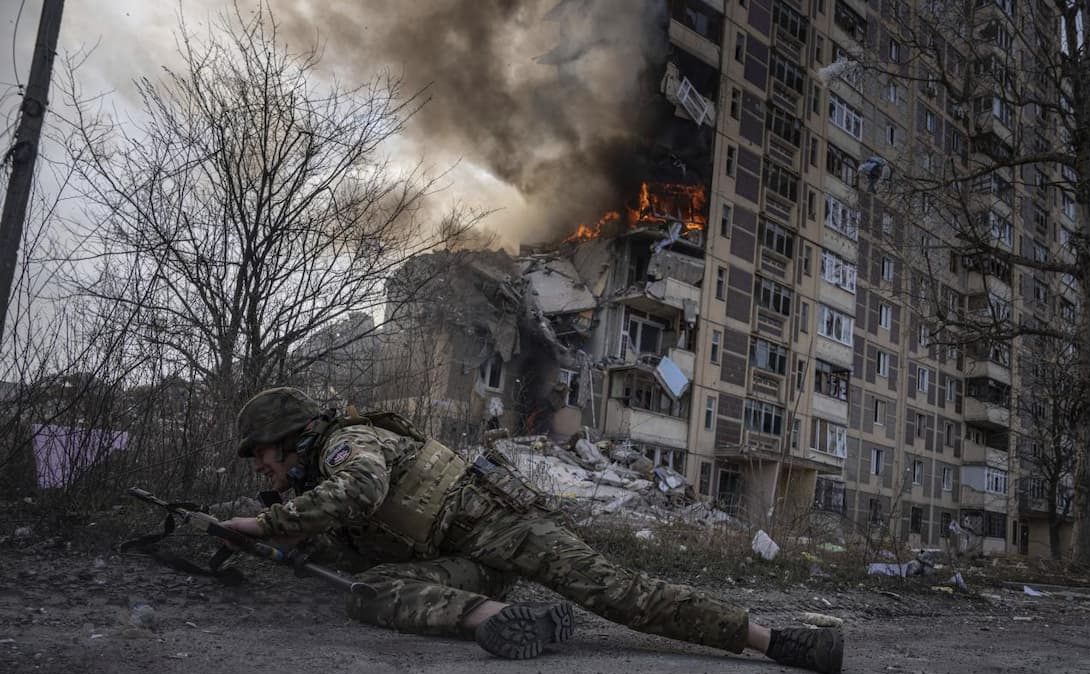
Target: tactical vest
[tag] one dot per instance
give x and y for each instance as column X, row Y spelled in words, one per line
column 413, row 513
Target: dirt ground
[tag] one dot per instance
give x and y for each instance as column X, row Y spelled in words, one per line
column 67, row 611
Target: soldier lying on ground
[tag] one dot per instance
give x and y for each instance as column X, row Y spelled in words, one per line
column 451, row 537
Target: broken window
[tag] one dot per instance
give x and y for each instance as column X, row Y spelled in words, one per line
column 882, row 364
column 720, row 283
column 828, row 437
column 917, row 471
column 879, row 412
column 772, row 295
column 570, row 378
column 845, row 117
column 831, row 380
column 850, row 21
column 789, row 21
column 709, row 413
column 838, row 271
column 835, row 325
column 784, row 124
column 786, row 72
column 765, row 355
column 698, row 17
column 762, row 417
column 842, row 218
column 829, row 495
column 644, row 334
column 841, row 164
column 776, row 238
column 717, row 339
column 782, row 181
column 641, row 390
column 491, row 372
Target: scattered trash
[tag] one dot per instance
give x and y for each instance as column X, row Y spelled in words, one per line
column 1032, row 592
column 1023, row 618
column 957, row 581
column 765, row 546
column 179, row 656
column 190, row 624
column 96, row 635
column 831, row 547
column 99, row 563
column 892, row 595
column 943, row 588
column 645, row 534
column 22, row 532
column 7, row 641
column 820, row 620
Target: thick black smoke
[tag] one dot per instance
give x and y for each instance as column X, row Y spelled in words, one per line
column 549, row 98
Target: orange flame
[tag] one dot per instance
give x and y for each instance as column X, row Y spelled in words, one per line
column 658, row 204
column 665, row 202
column 584, row 233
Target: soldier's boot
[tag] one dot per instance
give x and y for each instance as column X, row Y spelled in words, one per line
column 820, row 650
column 520, row 631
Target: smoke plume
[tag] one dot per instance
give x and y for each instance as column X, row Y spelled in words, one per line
column 546, row 97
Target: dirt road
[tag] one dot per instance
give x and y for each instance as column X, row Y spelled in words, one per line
column 63, row 612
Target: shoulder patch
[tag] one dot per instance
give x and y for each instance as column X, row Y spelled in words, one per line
column 338, row 454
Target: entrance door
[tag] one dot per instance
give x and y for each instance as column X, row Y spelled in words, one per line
column 728, row 495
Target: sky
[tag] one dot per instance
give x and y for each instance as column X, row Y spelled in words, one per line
column 527, row 96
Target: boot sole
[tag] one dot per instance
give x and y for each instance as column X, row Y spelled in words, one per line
column 521, row 632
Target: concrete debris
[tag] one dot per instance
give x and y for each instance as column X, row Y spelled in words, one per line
column 764, row 546
column 669, row 481
column 821, row 620
column 645, row 535
column 22, row 532
column 606, row 478
column 1032, row 592
column 589, row 454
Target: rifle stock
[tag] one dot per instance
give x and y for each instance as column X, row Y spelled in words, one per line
column 211, row 526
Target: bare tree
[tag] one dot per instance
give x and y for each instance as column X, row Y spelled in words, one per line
column 1000, row 107
column 247, row 207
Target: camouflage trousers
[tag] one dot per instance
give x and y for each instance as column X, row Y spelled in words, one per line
column 432, row 596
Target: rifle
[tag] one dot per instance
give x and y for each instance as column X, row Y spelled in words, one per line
column 240, row 541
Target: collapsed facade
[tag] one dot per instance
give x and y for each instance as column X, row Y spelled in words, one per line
column 738, row 320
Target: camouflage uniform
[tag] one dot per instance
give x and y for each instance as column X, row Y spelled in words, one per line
column 481, row 541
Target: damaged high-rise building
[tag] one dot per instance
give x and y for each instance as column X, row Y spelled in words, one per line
column 740, row 317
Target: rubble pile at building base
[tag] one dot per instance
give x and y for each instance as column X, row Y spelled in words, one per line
column 592, row 479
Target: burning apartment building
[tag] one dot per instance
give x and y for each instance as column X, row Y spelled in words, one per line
column 730, row 313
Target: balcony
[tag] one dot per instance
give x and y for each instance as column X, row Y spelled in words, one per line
column 986, row 414
column 832, row 351
column 980, row 365
column 644, row 426
column 667, row 292
column 976, row 453
column 981, row 500
column 827, row 407
column 694, row 43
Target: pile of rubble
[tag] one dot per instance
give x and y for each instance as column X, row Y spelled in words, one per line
column 606, row 477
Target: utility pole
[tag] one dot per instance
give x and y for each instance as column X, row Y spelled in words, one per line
column 25, row 150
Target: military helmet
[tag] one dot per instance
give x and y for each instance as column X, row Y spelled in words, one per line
column 271, row 416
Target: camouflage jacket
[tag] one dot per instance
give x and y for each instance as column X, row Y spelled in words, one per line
column 355, row 464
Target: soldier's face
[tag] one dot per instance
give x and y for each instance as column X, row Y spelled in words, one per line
column 274, row 465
